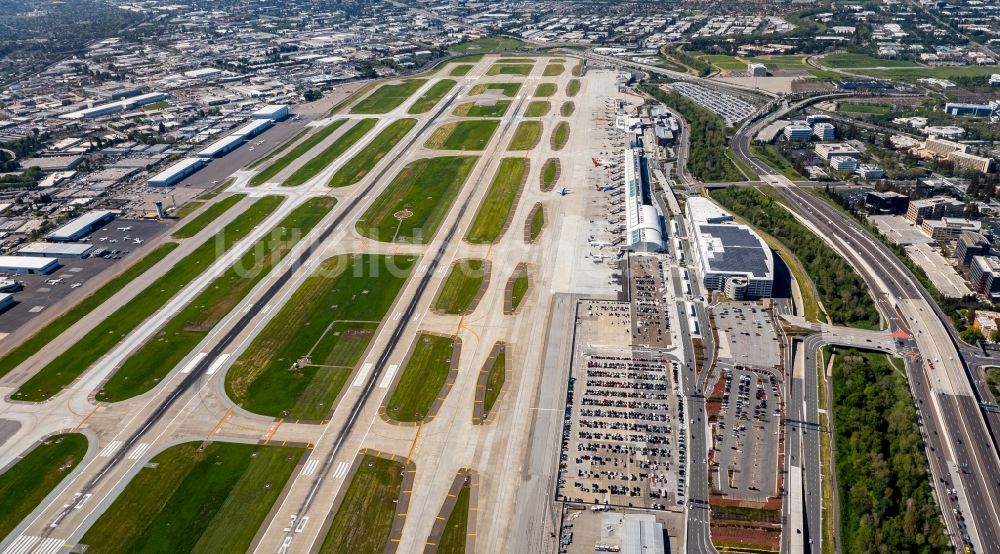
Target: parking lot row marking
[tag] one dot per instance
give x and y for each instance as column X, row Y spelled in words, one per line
column 341, row 470
column 138, row 452
column 363, row 374
column 217, row 364
column 310, row 468
column 194, row 362
column 388, row 376
column 109, row 449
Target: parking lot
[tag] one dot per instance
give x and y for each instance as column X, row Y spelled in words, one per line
column 39, row 292
column 729, row 107
column 622, row 442
column 747, row 335
column 745, row 434
column 650, row 320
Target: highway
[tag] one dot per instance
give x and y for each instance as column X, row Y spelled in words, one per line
column 965, row 457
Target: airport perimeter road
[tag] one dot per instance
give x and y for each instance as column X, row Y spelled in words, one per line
column 967, row 446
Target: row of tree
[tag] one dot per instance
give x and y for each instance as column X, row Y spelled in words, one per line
column 842, row 291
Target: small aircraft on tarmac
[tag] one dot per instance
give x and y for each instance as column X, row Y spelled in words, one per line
column 129, row 228
column 53, row 281
column 563, row 191
column 75, row 285
column 605, row 187
column 137, row 241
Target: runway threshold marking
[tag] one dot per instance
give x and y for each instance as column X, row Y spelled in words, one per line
column 413, row 445
column 109, row 449
column 139, row 451
column 218, row 426
column 86, row 417
column 34, row 544
column 310, row 468
column 341, row 470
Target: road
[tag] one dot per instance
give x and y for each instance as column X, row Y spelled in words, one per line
column 938, row 377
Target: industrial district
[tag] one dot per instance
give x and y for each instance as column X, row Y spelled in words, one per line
column 449, row 277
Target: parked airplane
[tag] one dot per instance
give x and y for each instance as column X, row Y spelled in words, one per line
column 74, row 285
column 137, row 241
column 605, row 187
column 53, row 281
column 129, row 228
column 601, row 161
column 563, row 191
column 102, row 239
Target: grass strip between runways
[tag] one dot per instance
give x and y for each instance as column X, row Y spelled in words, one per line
column 456, row 528
column 364, row 519
column 433, row 95
column 499, row 202
column 144, row 369
column 295, row 153
column 387, row 97
column 461, row 287
column 213, row 212
column 25, row 484
column 312, row 168
column 101, row 339
column 299, row 362
column 357, row 167
column 422, row 379
column 54, row 328
column 193, row 500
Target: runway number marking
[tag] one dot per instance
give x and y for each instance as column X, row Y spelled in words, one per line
column 341, row 470
column 139, row 451
column 284, row 545
column 362, row 375
column 310, row 468
column 302, row 524
column 82, row 501
column 387, row 378
column 109, row 449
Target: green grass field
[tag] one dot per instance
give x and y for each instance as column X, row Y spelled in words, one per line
column 920, row 72
column 456, row 527
column 773, row 156
column 572, row 87
column 536, row 221
column 388, row 97
column 295, row 153
column 514, row 59
column 544, row 90
column 426, row 188
column 423, row 378
column 145, row 368
column 213, row 212
column 54, row 328
column 494, row 381
column 791, row 61
column 509, row 69
column 464, row 281
column 519, row 287
column 471, row 109
column 549, row 173
column 280, row 149
column 553, row 70
column 847, row 60
column 472, row 135
column 460, row 70
column 537, row 108
column 560, row 135
column 78, row 358
column 577, row 69
column 357, row 167
column 364, row 519
column 206, row 501
column 26, row 483
column 490, row 44
column 859, row 107
column 526, row 136
column 329, row 321
column 567, row 109
column 319, row 162
column 499, row 202
column 723, row 61
column 433, row 95
column 507, row 89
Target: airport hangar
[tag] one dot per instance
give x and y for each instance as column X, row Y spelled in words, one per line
column 728, row 255
column 28, row 265
column 81, row 226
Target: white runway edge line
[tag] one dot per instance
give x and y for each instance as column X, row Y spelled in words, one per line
column 194, row 362
column 139, row 451
column 218, row 363
column 30, row 543
column 387, row 378
column 310, row 468
column 363, row 374
column 341, row 470
column 109, row 449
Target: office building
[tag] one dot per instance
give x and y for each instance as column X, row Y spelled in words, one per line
column 798, row 131
column 866, row 171
column 824, row 131
column 948, row 229
column 830, row 149
column 972, row 162
column 886, row 203
column 969, row 245
column 843, row 163
column 984, row 275
column 725, row 250
column 934, row 208
column 959, row 109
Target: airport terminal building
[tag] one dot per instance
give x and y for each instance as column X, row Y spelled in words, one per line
column 729, row 256
column 644, row 227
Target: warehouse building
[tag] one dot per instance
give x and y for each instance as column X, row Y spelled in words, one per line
column 81, row 226
column 6, row 301
column 274, row 112
column 28, row 265
column 176, row 173
column 55, row 250
column 729, row 256
column 130, row 103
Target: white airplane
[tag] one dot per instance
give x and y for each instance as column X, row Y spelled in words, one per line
column 53, row 281
column 604, row 188
column 74, row 285
column 137, row 241
column 129, row 228
column 102, row 239
column 563, row 191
